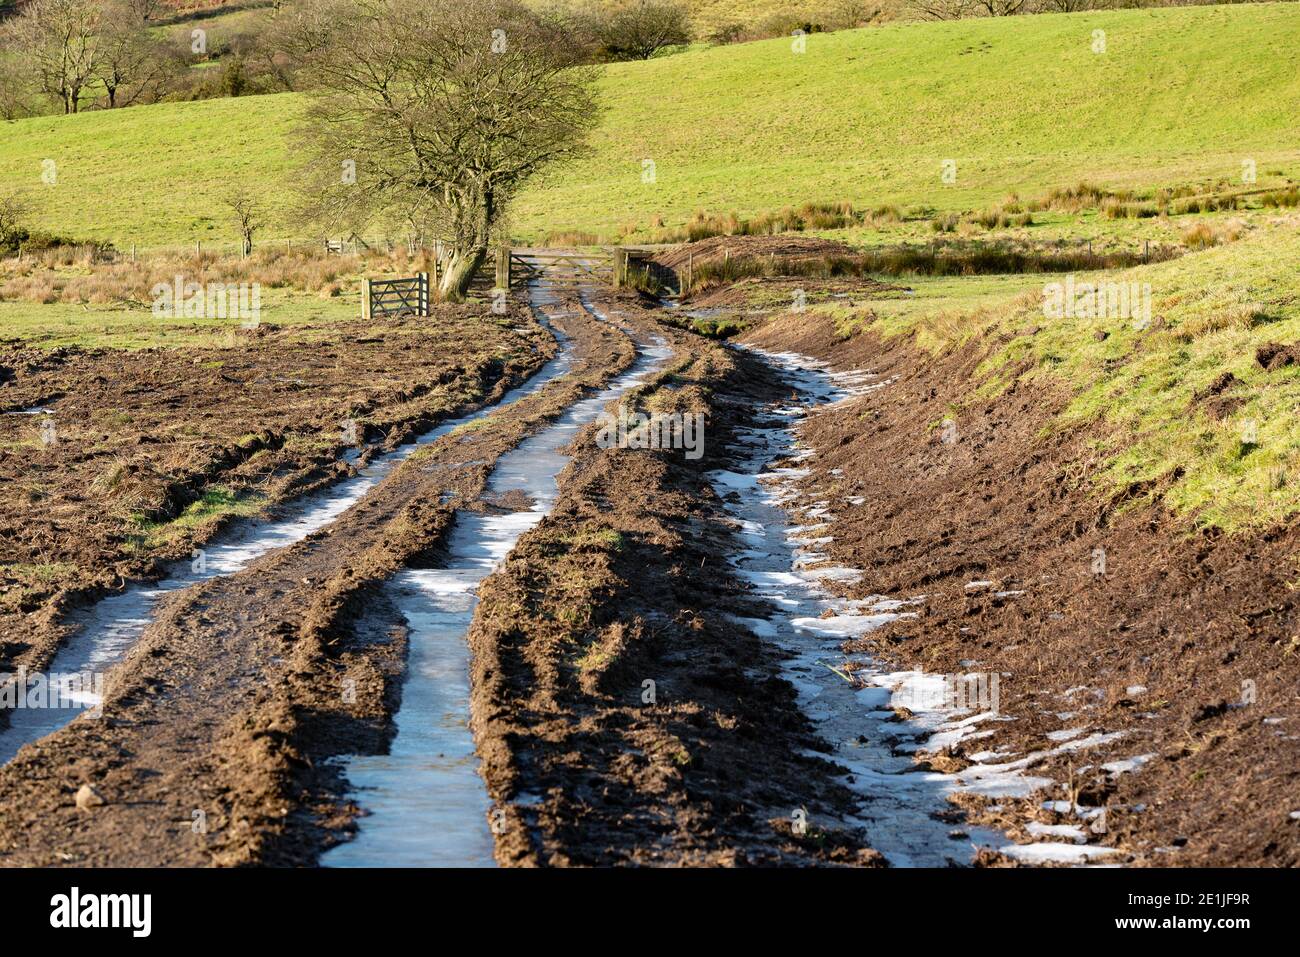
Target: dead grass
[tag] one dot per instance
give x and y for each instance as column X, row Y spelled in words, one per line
column 62, row 276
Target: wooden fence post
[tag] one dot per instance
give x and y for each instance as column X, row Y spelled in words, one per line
column 620, row 267
column 424, row 293
column 435, row 287
column 503, row 267
column 365, row 300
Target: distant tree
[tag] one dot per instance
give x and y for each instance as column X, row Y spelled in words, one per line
column 957, row 9
column 56, row 40
column 942, row 9
column 248, row 215
column 1000, row 8
column 13, row 86
column 142, row 11
column 130, row 63
column 234, row 76
column 13, row 207
column 435, row 111
column 638, row 29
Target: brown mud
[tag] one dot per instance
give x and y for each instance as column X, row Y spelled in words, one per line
column 216, row 729
column 1184, row 640
column 143, row 438
column 622, row 716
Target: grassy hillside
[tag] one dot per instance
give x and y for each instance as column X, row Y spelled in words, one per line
column 867, row 116
column 1193, row 415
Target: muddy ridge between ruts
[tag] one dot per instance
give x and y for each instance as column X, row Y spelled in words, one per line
column 141, row 436
column 217, row 727
column 1182, row 644
column 622, row 715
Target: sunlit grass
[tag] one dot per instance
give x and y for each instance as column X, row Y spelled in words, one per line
column 1022, row 105
column 1211, row 310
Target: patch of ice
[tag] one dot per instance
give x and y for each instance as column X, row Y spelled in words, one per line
column 1127, row 764
column 842, row 626
column 1065, row 734
column 1055, row 853
column 1071, row 831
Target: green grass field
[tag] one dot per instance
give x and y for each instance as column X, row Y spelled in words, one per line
column 1020, row 104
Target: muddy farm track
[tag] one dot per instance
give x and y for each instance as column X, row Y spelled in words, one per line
column 749, row 649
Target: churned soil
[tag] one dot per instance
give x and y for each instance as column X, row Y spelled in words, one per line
column 225, row 712
column 1100, row 612
column 140, row 437
column 622, row 715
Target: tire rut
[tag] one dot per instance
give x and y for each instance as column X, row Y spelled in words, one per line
column 211, row 748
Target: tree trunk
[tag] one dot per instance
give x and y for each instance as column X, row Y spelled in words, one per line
column 471, row 250
column 458, row 272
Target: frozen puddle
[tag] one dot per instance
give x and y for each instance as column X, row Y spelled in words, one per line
column 108, row 629
column 426, row 805
column 901, row 805
column 904, row 809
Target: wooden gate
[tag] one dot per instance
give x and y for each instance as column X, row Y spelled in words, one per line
column 559, row 266
column 395, row 297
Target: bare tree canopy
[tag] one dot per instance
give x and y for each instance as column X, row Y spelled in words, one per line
column 958, row 9
column 130, row 63
column 638, row 29
column 76, row 50
column 56, row 40
column 436, row 112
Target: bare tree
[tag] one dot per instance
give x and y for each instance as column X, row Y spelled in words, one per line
column 248, row 215
column 130, row 63
column 957, row 9
column 999, row 8
column 943, row 9
column 142, row 11
column 56, row 40
column 638, row 29
column 14, row 97
column 438, row 111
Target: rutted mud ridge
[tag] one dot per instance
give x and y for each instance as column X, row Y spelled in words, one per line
column 1121, row 690
column 425, row 801
column 140, row 437
column 216, row 725
column 624, row 711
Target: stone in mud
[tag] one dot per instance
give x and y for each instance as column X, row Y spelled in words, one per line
column 88, row 798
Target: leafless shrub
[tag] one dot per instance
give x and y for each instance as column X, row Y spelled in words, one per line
column 636, row 29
